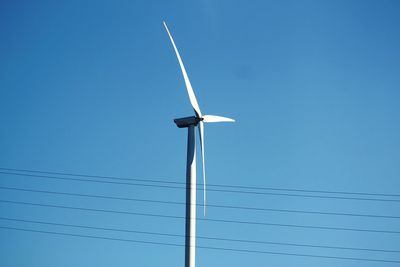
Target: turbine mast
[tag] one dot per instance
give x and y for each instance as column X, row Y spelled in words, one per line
column 190, row 220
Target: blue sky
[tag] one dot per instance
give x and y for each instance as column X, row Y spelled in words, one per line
column 93, row 87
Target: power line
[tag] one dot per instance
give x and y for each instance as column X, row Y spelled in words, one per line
column 207, row 219
column 210, row 185
column 202, row 247
column 210, row 189
column 200, row 237
column 89, row 180
column 209, row 205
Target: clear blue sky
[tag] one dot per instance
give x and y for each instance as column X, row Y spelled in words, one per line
column 93, row 87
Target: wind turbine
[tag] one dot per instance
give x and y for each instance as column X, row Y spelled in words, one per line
column 191, row 123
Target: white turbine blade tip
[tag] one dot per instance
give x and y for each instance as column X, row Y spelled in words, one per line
column 213, row 118
column 165, row 26
column 192, row 96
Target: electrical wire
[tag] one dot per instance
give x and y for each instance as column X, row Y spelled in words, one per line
column 199, row 237
column 210, row 185
column 201, row 247
column 210, row 189
column 209, row 205
column 207, row 219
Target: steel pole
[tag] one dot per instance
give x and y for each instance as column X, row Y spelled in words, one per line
column 190, row 230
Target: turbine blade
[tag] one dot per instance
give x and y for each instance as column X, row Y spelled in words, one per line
column 201, row 134
column 213, row 118
column 192, row 96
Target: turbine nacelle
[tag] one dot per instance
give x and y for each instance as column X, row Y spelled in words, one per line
column 187, row 121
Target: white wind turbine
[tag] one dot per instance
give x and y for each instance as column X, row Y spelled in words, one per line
column 191, row 123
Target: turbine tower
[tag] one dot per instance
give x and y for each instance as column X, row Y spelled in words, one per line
column 191, row 123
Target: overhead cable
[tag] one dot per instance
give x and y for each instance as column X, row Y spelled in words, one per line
column 201, row 247
column 212, row 185
column 199, row 237
column 206, row 219
column 209, row 205
column 215, row 190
